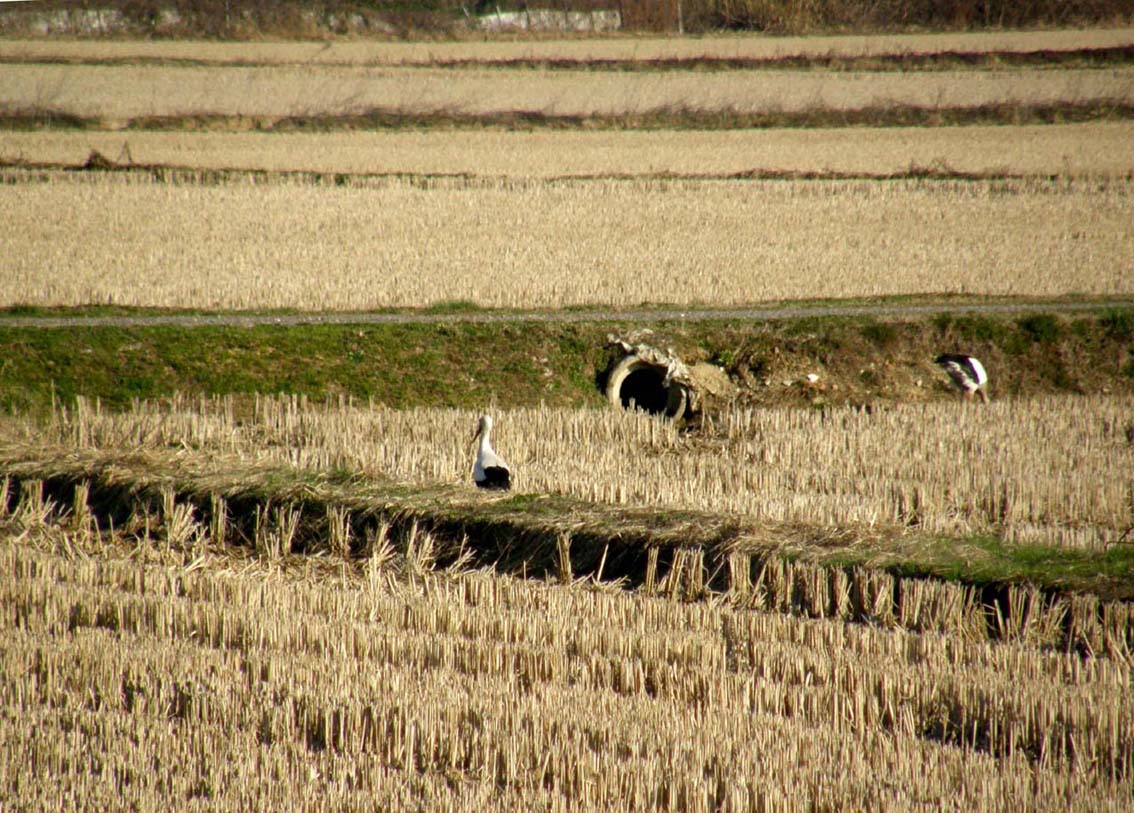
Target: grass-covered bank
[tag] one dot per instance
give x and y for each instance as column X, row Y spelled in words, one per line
column 792, row 566
column 858, row 359
column 399, row 365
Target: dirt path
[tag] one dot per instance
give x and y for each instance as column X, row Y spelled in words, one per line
column 767, row 313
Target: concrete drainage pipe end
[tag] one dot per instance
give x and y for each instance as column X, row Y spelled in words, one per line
column 636, row 383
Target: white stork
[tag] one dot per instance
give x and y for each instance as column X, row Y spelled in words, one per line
column 967, row 373
column 490, row 470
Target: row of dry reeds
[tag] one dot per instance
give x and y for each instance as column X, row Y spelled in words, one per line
column 1047, row 470
column 275, row 243
column 254, row 685
column 1085, row 149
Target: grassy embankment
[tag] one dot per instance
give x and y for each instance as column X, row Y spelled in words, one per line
column 471, row 363
column 793, row 567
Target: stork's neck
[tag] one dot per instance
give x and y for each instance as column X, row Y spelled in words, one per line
column 485, row 446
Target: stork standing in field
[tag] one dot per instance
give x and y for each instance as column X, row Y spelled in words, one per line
column 490, row 470
column 967, row 373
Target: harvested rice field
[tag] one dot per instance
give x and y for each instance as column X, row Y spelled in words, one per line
column 116, row 93
column 883, row 598
column 128, row 239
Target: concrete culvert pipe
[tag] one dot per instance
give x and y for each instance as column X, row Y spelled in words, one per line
column 635, row 382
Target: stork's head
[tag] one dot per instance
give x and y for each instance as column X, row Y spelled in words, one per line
column 483, row 427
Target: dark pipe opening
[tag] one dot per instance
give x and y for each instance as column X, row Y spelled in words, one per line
column 645, row 389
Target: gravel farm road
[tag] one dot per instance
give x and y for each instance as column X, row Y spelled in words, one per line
column 692, row 314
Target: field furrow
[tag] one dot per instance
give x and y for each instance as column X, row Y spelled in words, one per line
column 917, row 466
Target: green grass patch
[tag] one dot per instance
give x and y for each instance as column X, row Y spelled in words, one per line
column 1041, row 327
column 986, row 559
column 880, row 333
column 981, row 329
column 1119, row 324
column 454, row 306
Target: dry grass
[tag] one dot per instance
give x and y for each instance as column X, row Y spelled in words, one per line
column 1051, row 471
column 111, row 93
column 254, row 684
column 746, row 47
column 134, row 241
column 1101, row 148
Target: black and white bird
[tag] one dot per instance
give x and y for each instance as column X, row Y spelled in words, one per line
column 490, row 470
column 967, row 373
